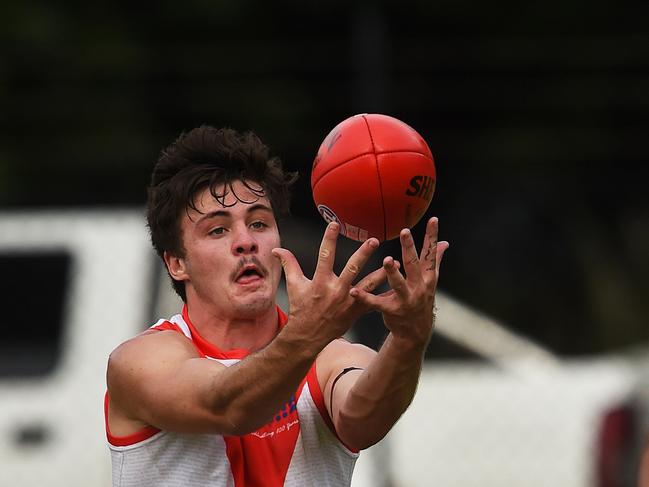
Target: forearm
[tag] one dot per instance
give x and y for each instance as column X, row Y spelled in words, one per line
column 250, row 392
column 378, row 398
column 381, row 394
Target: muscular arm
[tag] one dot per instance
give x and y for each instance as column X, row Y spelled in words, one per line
column 158, row 379
column 366, row 405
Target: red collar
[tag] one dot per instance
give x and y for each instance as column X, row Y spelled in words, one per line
column 212, row 350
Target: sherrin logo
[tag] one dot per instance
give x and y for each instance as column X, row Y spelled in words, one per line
column 328, row 214
column 421, row 186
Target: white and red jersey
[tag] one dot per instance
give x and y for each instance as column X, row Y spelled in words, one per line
column 298, row 448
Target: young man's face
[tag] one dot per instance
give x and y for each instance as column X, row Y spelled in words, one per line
column 228, row 264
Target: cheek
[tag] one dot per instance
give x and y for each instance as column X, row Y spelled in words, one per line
column 274, row 265
column 271, row 242
column 277, row 269
column 276, row 240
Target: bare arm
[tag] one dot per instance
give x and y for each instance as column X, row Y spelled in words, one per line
column 158, row 379
column 367, row 404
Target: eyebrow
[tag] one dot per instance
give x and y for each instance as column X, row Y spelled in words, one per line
column 226, row 213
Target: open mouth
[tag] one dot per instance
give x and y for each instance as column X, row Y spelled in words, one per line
column 248, row 274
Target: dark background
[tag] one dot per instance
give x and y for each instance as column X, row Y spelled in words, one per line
column 537, row 114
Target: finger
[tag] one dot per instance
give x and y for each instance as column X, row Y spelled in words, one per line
column 367, row 299
column 372, row 281
column 327, row 252
column 290, row 265
column 409, row 255
column 431, row 277
column 429, row 250
column 358, row 260
column 383, row 302
column 395, row 279
column 375, row 279
column 441, row 248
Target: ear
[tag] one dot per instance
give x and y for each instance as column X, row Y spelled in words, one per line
column 175, row 266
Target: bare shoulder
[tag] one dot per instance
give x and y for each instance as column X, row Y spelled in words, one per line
column 139, row 376
column 340, row 354
column 158, row 346
column 150, row 353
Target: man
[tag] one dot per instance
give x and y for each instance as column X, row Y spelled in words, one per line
column 232, row 391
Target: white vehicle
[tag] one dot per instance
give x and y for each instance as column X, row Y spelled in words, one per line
column 77, row 283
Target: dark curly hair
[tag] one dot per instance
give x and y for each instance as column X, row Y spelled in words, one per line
column 207, row 157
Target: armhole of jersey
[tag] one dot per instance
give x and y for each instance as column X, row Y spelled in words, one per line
column 140, row 435
column 318, row 399
column 148, row 431
column 163, row 325
column 166, row 325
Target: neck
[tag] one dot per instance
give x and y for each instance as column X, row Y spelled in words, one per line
column 230, row 332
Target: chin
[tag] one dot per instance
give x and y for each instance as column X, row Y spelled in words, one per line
column 250, row 308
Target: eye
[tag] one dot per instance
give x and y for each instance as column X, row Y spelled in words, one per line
column 258, row 225
column 217, row 231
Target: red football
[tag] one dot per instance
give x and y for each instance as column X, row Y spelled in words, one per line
column 373, row 174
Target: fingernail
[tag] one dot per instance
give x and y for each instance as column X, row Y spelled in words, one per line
column 374, row 243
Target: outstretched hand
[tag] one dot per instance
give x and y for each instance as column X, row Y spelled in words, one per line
column 408, row 306
column 324, row 305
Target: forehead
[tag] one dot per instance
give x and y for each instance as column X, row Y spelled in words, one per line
column 234, row 196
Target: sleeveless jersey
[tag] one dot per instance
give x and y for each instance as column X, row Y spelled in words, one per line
column 298, row 448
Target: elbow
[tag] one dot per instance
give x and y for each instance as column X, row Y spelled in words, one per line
column 364, row 443
column 360, row 438
column 360, row 433
column 226, row 423
column 237, row 422
column 232, row 414
column 227, row 415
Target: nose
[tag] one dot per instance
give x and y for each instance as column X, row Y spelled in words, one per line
column 244, row 243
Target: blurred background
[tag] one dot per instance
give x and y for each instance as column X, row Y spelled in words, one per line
column 537, row 115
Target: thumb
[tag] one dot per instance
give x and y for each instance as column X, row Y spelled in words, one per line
column 291, row 266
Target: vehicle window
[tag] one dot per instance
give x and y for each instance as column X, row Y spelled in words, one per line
column 33, row 293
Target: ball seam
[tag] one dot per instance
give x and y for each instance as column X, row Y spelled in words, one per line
column 374, row 153
column 378, row 173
